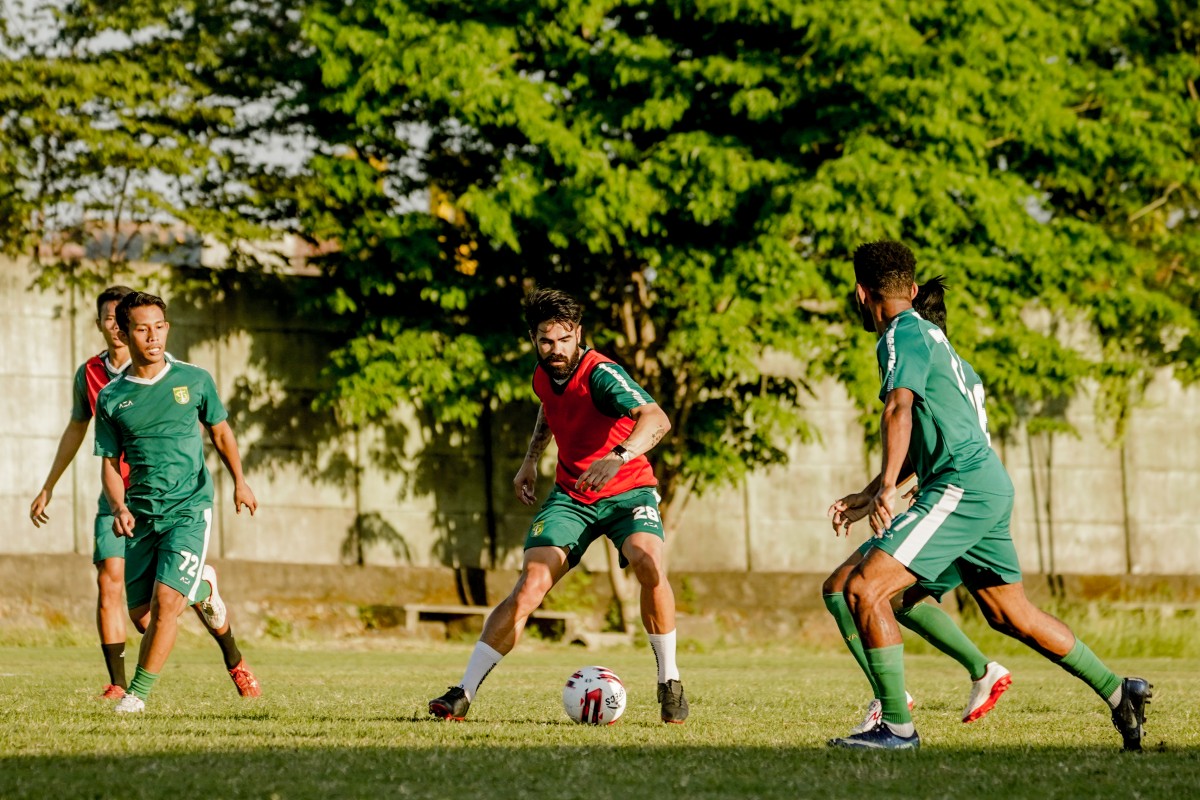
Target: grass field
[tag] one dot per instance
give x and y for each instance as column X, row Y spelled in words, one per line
column 353, row 724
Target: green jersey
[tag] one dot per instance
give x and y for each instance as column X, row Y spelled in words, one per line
column 153, row 422
column 950, row 440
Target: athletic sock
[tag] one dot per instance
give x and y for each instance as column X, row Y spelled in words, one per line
column 142, row 682
column 1083, row 664
column 663, row 645
column 229, row 648
column 935, row 626
column 483, row 660
column 836, row 603
column 887, row 665
column 114, row 659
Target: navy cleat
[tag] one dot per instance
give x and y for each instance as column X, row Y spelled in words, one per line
column 1130, row 714
column 452, row 705
column 674, row 704
column 880, row 737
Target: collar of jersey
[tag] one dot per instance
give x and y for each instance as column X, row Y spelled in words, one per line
column 149, row 381
column 115, row 370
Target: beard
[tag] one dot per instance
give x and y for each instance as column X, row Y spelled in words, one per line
column 561, row 370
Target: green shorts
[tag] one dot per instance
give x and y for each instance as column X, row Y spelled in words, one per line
column 565, row 522
column 169, row 551
column 946, row 582
column 108, row 544
column 951, row 528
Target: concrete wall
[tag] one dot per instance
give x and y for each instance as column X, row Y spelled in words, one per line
column 400, row 495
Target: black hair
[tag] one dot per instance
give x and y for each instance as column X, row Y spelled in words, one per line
column 930, row 301
column 136, row 300
column 551, row 305
column 886, row 269
column 117, row 293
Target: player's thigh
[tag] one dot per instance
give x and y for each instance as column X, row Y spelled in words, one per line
column 878, row 576
column 182, row 548
column 106, row 543
column 629, row 513
column 944, row 523
column 562, row 522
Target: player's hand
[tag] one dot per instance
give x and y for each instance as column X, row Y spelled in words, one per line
column 911, row 495
column 525, row 482
column 599, row 472
column 242, row 496
column 37, row 511
column 123, row 522
column 881, row 509
column 847, row 511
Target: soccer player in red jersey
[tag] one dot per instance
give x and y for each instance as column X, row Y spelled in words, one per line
column 604, row 423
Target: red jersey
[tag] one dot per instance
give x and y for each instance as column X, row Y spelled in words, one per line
column 588, row 416
column 90, row 378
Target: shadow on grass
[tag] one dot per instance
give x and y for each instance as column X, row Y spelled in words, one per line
column 473, row 769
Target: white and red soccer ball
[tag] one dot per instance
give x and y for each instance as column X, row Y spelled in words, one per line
column 594, row 696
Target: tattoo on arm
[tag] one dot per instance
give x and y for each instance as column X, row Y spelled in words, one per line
column 541, row 436
column 656, row 437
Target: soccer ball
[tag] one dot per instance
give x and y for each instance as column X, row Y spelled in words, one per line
column 594, row 696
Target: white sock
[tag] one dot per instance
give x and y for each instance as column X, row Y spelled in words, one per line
column 663, row 645
column 905, row 729
column 483, row 660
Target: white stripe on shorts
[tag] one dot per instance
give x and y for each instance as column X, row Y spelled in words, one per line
column 911, row 547
column 203, row 556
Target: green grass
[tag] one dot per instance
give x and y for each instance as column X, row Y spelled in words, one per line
column 336, row 724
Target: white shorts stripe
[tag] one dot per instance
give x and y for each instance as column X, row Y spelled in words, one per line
column 203, row 555
column 911, row 547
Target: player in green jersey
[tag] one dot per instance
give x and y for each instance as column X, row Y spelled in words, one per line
column 151, row 416
column 989, row 680
column 934, row 417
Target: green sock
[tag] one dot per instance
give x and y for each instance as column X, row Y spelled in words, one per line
column 936, row 627
column 142, row 682
column 1083, row 664
column 836, row 603
column 887, row 664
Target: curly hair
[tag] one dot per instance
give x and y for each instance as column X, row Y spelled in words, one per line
column 886, row 269
column 551, row 305
column 930, row 301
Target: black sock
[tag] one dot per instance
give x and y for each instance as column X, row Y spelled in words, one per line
column 114, row 659
column 229, row 648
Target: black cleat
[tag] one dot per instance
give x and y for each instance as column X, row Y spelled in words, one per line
column 452, row 705
column 1130, row 714
column 878, row 738
column 674, row 704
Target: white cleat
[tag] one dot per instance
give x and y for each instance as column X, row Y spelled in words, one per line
column 986, row 691
column 874, row 715
column 130, row 704
column 213, row 608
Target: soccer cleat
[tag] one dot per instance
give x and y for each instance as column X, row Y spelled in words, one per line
column 674, row 703
column 874, row 715
column 880, row 737
column 244, row 680
column 212, row 608
column 452, row 705
column 112, row 692
column 130, row 704
column 986, row 691
column 1130, row 714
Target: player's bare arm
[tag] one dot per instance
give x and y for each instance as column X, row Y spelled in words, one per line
column 226, row 445
column 525, row 481
column 649, row 426
column 896, row 426
column 68, row 445
column 114, row 489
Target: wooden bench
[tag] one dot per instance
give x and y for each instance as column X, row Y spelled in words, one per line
column 547, row 622
column 1166, row 609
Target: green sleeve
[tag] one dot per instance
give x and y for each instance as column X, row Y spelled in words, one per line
column 614, row 392
column 903, row 358
column 211, row 409
column 108, row 437
column 81, row 409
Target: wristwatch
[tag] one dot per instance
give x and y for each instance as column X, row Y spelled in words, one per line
column 623, row 454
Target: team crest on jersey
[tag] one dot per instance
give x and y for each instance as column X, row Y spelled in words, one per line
column 181, row 395
column 536, row 530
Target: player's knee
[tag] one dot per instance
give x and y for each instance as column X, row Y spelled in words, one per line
column 530, row 592
column 647, row 567
column 836, row 582
column 860, row 593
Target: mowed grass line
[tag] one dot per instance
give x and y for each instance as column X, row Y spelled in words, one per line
column 353, row 724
